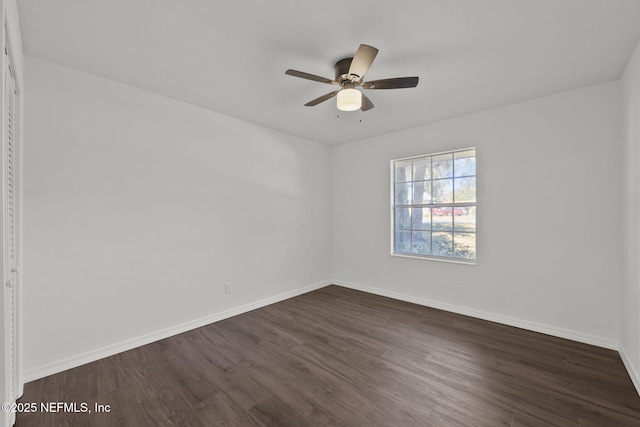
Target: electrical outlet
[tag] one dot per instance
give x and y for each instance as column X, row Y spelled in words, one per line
column 369, row 270
column 227, row 288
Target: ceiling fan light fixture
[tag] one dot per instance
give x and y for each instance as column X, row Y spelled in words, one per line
column 349, row 99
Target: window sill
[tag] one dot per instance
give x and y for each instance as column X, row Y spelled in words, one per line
column 435, row 258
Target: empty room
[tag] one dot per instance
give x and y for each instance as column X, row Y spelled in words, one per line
column 299, row 213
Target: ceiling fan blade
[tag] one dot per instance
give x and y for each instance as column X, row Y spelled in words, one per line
column 308, row 76
column 362, row 60
column 366, row 103
column 321, row 99
column 395, row 83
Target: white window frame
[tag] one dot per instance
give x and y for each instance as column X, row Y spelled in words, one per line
column 393, row 206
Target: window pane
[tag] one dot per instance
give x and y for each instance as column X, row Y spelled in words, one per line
column 402, row 242
column 402, row 170
column 421, row 218
column 434, row 212
column 465, row 245
column 442, row 219
column 422, row 192
column 402, row 194
column 464, row 154
column 465, row 163
column 422, row 169
column 467, row 221
column 442, row 191
column 442, row 244
column 422, row 242
column 403, row 218
column 465, row 189
column 443, row 166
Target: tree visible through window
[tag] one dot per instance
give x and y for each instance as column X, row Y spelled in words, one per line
column 434, row 205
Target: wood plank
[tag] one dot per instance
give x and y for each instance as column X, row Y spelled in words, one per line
column 342, row 357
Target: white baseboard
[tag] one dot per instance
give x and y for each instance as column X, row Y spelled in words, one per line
column 505, row 320
column 631, row 369
column 110, row 350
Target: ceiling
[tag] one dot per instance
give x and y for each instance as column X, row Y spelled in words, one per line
column 230, row 56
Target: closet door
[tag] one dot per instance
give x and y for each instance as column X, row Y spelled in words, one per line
column 10, row 215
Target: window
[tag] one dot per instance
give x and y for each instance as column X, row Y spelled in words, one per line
column 434, row 206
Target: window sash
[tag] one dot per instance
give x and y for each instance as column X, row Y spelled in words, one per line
column 409, row 231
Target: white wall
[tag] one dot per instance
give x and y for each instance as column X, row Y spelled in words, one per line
column 549, row 234
column 139, row 208
column 630, row 308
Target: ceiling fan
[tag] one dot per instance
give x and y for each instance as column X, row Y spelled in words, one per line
column 349, row 73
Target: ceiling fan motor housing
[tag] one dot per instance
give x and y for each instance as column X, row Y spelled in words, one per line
column 342, row 70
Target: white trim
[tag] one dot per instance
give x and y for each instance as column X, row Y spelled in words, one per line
column 633, row 373
column 434, row 258
column 110, row 350
column 505, row 320
column 433, row 154
column 14, row 33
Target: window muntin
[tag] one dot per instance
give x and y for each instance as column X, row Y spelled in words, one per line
column 434, row 206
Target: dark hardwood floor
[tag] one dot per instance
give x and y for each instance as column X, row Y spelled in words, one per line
column 341, row 357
